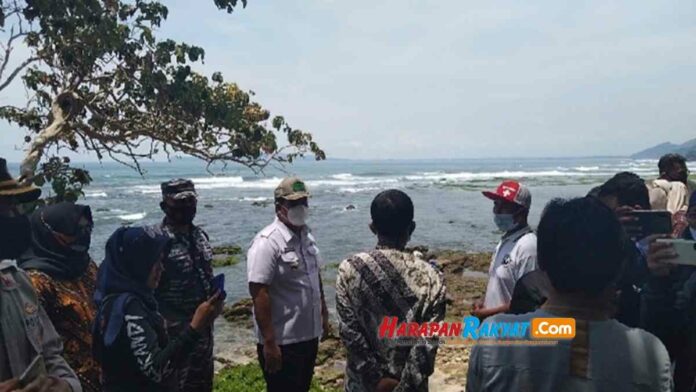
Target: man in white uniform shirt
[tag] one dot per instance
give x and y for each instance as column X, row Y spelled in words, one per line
column 289, row 309
column 515, row 254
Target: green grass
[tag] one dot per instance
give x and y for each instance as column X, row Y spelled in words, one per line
column 249, row 378
column 227, row 250
column 225, row 261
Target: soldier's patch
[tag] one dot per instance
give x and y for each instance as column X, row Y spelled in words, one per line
column 30, row 308
column 8, row 281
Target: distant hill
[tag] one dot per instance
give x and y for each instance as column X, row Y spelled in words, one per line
column 687, row 149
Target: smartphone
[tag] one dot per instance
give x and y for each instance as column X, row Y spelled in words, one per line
column 650, row 222
column 219, row 284
column 36, row 369
column 685, row 249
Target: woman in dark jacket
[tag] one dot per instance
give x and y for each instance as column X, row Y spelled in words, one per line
column 130, row 340
column 64, row 275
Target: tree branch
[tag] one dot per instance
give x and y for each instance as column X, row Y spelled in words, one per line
column 17, row 71
column 48, row 135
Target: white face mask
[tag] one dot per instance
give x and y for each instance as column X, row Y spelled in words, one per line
column 297, row 216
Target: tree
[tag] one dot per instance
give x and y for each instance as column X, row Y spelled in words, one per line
column 99, row 81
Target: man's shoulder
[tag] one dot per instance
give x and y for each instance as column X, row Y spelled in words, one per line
column 201, row 233
column 636, row 336
column 349, row 263
column 272, row 230
column 526, row 246
column 515, row 318
column 528, row 240
column 7, row 265
column 405, row 263
column 269, row 236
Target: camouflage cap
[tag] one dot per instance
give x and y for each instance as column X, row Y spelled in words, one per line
column 291, row 188
column 178, row 189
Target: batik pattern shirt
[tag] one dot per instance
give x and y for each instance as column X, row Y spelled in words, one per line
column 70, row 306
column 387, row 283
column 188, row 273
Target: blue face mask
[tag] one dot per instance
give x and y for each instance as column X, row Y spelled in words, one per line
column 505, row 222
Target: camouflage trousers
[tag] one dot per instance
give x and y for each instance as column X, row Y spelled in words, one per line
column 195, row 372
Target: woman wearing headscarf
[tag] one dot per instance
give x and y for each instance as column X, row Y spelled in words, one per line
column 130, row 339
column 64, row 277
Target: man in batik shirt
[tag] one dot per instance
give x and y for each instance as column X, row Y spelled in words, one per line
column 186, row 281
column 388, row 282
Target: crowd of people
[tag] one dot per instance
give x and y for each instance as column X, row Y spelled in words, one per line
column 142, row 320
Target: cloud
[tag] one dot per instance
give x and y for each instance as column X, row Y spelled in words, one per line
column 453, row 78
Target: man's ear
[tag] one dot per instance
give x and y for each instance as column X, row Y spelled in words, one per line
column 372, row 228
column 412, row 228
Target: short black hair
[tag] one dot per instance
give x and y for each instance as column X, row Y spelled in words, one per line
column 667, row 162
column 629, row 189
column 392, row 212
column 580, row 245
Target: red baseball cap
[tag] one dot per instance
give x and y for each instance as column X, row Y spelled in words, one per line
column 513, row 192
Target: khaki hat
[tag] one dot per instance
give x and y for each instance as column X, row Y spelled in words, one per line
column 291, row 188
column 10, row 189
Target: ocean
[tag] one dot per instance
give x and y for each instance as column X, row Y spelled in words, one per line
column 450, row 213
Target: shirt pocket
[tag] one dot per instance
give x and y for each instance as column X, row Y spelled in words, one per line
column 291, row 262
column 314, row 259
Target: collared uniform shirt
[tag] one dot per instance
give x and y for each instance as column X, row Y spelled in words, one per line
column 26, row 330
column 515, row 255
column 188, row 273
column 289, row 264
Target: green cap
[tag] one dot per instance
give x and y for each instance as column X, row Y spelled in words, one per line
column 291, row 188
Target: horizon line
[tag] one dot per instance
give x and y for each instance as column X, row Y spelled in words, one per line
column 329, row 158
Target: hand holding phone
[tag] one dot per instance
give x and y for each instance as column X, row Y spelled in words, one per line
column 644, row 223
column 685, row 251
column 219, row 285
column 36, row 369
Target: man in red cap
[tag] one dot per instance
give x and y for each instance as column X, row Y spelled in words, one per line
column 516, row 252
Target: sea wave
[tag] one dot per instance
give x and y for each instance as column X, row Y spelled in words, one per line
column 346, row 182
column 133, row 217
column 472, row 176
column 586, row 168
column 257, row 199
column 96, row 193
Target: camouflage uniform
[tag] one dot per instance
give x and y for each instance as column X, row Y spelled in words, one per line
column 387, row 283
column 186, row 282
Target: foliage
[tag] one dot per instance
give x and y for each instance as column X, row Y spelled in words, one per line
column 66, row 182
column 226, row 256
column 99, row 81
column 225, row 260
column 227, row 250
column 249, row 378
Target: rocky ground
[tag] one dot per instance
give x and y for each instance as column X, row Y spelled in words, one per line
column 465, row 276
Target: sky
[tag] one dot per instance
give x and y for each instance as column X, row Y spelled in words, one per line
column 392, row 79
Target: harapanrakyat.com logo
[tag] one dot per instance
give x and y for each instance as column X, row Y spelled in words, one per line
column 541, row 330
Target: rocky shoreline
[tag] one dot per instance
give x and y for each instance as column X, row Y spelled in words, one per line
column 465, row 277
